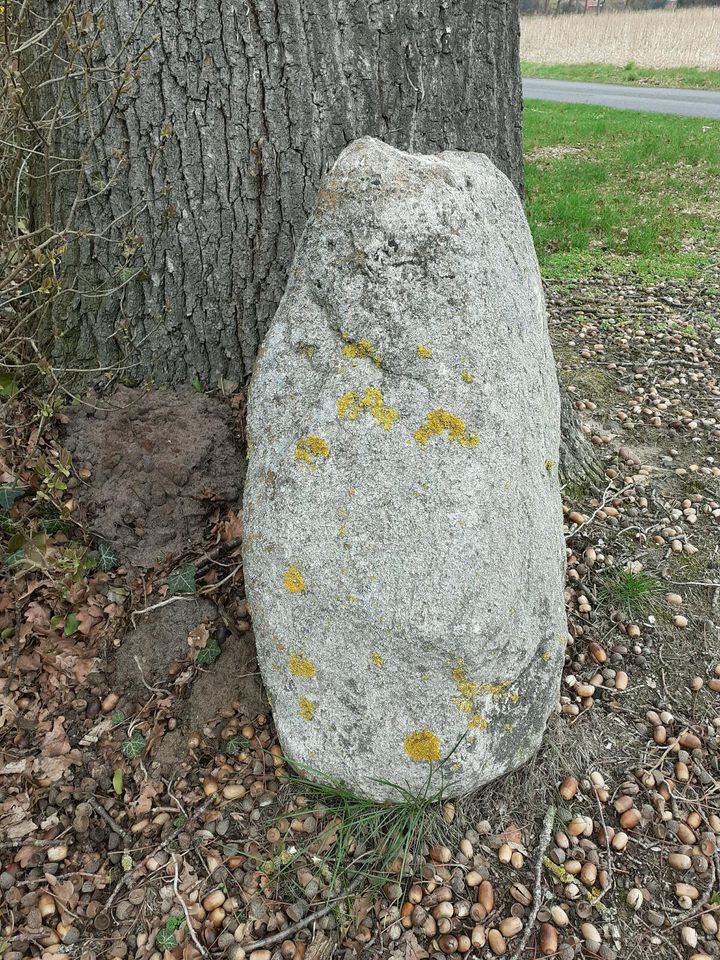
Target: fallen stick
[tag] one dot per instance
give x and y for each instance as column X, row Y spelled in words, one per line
column 301, row 924
column 543, row 842
column 102, row 812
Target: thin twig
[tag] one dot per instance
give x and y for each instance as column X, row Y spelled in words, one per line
column 136, row 871
column 162, row 603
column 543, row 843
column 301, row 924
column 697, row 908
column 102, row 812
column 606, row 497
column 201, row 949
column 607, row 843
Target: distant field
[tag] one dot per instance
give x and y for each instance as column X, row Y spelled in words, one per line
column 630, row 74
column 621, row 191
column 654, row 38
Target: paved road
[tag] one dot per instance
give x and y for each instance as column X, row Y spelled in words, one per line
column 687, row 103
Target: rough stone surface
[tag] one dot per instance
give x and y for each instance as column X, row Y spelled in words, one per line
column 403, row 546
column 159, row 462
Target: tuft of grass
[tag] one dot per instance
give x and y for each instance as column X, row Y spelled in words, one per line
column 365, row 841
column 364, row 844
column 689, row 78
column 634, row 593
column 620, row 191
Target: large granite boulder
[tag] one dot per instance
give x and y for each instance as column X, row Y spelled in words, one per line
column 403, row 544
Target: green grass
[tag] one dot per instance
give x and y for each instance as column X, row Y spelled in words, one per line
column 361, row 846
column 621, row 191
column 633, row 593
column 366, row 841
column 631, row 73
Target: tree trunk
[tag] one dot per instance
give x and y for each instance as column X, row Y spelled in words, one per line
column 197, row 185
column 579, row 466
column 195, row 172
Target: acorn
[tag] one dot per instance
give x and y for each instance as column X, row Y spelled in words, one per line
column 548, row 940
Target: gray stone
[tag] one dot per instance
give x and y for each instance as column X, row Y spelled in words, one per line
column 403, row 544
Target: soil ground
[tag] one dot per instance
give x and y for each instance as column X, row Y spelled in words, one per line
column 145, row 807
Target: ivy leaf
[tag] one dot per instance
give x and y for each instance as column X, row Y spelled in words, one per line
column 107, row 558
column 235, row 745
column 172, row 923
column 117, row 781
column 117, row 717
column 71, row 624
column 8, row 496
column 15, row 557
column 134, row 747
column 56, row 525
column 165, row 940
column 8, row 387
column 197, row 385
column 207, row 656
column 183, row 581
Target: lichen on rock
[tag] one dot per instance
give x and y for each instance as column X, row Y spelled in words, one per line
column 415, row 575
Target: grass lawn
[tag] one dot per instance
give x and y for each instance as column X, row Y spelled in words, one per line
column 630, row 74
column 622, row 191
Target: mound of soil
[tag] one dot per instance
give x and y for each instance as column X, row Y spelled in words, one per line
column 159, row 640
column 151, row 654
column 157, row 463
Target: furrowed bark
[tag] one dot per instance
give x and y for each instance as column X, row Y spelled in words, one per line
column 205, row 172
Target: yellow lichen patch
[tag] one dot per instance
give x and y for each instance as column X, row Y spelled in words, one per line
column 377, row 660
column 422, row 746
column 508, row 727
column 301, row 666
column 308, row 449
column 342, row 530
column 466, row 687
column 350, row 405
column 294, row 581
column 307, row 708
column 438, row 422
column 546, row 656
column 361, row 348
column 468, row 377
column 549, row 464
column 424, row 352
column 514, row 696
column 495, row 689
column 476, row 722
column 464, row 706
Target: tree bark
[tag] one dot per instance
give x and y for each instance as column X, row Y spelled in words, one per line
column 198, row 183
column 579, row 465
